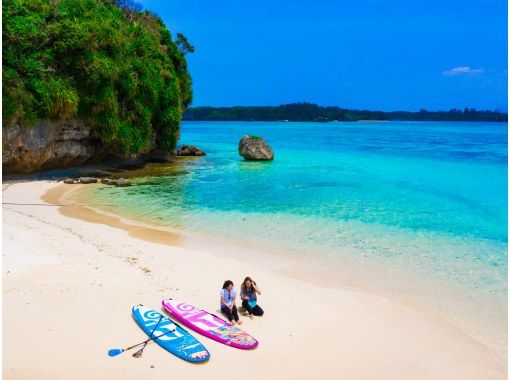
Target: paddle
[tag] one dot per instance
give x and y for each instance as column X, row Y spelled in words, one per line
column 138, row 353
column 221, row 319
column 117, row 351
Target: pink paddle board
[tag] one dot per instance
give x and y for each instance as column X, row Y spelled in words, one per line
column 209, row 325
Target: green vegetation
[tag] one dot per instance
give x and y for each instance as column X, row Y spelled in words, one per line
column 313, row 112
column 104, row 61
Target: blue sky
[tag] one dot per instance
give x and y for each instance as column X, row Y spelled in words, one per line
column 370, row 54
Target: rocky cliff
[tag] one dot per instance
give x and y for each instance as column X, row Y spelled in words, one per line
column 106, row 62
column 48, row 145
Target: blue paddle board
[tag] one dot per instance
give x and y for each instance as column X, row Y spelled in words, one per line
column 175, row 340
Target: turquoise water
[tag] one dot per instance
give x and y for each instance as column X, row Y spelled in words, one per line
column 427, row 197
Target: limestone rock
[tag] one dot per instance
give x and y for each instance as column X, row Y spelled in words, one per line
column 189, row 150
column 48, row 144
column 87, row 180
column 121, row 182
column 254, row 148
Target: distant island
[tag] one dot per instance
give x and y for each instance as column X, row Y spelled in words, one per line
column 314, row 112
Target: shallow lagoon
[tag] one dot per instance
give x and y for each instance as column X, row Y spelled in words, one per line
column 428, row 199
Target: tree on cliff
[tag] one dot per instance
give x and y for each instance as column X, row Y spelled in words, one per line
column 115, row 66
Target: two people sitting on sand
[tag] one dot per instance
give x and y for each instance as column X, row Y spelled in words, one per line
column 249, row 291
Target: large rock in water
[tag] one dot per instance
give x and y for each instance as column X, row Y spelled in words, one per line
column 254, row 148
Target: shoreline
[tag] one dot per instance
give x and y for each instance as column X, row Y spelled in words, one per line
column 328, row 272
column 359, row 325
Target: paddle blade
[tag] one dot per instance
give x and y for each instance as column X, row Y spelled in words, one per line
column 115, row 351
column 138, row 353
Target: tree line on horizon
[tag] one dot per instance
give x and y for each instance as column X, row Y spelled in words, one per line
column 314, row 112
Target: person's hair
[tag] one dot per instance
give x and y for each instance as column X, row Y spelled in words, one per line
column 243, row 285
column 227, row 283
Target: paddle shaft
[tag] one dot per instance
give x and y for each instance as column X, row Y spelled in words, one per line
column 153, row 338
column 138, row 353
column 152, row 332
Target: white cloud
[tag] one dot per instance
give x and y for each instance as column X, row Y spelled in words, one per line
column 462, row 70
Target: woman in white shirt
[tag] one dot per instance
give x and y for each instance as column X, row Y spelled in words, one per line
column 228, row 302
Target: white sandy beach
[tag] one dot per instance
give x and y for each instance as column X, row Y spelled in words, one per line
column 70, row 278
